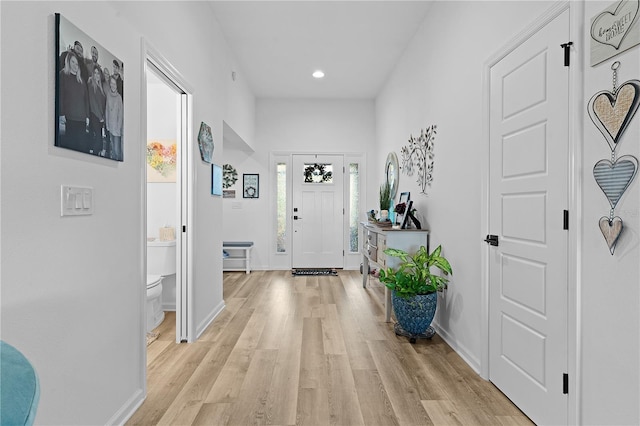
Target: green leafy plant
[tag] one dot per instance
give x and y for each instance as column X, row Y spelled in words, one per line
column 385, row 196
column 413, row 275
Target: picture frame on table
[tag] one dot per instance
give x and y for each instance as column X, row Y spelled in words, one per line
column 250, row 185
column 404, row 198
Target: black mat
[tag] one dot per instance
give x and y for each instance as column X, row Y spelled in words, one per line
column 314, row 271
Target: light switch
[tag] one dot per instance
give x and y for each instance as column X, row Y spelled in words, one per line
column 86, row 198
column 76, row 200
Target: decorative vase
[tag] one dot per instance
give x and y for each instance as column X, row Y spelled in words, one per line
column 384, row 214
column 415, row 314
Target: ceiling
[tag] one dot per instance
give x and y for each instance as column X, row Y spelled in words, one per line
column 278, row 44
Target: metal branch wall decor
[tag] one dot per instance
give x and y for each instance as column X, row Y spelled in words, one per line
column 419, row 155
column 611, row 112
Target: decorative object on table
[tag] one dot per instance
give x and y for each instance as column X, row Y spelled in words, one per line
column 216, row 179
column 414, row 288
column 385, row 200
column 401, row 207
column 205, row 143
column 410, row 215
column 228, row 193
column 611, row 113
column 391, row 170
column 161, row 161
column 79, row 92
column 250, row 186
column 614, row 30
column 371, row 216
column 419, row 154
column 229, row 176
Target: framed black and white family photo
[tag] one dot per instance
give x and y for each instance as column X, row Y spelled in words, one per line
column 89, row 108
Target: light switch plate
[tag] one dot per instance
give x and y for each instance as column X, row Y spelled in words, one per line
column 76, row 200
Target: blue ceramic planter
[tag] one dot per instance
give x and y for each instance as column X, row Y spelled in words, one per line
column 415, row 313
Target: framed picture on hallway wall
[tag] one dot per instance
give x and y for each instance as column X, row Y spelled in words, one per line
column 89, row 107
column 250, row 186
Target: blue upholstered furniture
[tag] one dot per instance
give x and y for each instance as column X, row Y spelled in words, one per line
column 19, row 388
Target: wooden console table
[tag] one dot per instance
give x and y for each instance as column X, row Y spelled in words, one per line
column 375, row 241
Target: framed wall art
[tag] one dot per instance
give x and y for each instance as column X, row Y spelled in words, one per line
column 89, row 108
column 614, row 30
column 216, row 179
column 250, row 186
column 205, row 143
column 162, row 156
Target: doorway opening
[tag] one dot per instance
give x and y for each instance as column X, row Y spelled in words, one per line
column 167, row 190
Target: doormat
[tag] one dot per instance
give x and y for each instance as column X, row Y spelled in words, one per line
column 152, row 337
column 314, row 271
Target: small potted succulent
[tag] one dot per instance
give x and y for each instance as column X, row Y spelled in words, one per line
column 385, row 200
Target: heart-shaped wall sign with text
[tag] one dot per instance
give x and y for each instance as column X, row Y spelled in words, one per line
column 611, row 28
column 614, row 178
column 611, row 230
column 612, row 112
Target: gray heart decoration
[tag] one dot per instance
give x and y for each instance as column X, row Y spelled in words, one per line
column 612, row 112
column 615, row 178
column 611, row 230
column 611, row 28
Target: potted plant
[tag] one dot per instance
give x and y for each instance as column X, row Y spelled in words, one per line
column 414, row 289
column 385, row 200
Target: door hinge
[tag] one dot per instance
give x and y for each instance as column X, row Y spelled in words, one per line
column 565, row 383
column 565, row 220
column 567, row 52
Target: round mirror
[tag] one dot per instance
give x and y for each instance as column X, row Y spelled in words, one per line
column 391, row 169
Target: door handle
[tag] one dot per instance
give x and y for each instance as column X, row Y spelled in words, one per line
column 296, row 218
column 492, row 240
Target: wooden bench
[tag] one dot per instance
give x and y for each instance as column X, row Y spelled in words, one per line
column 245, row 246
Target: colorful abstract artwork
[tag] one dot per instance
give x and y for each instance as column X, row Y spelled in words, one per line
column 161, row 160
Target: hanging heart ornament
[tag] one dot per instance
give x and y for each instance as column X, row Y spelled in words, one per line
column 612, row 112
column 615, row 178
column 611, row 230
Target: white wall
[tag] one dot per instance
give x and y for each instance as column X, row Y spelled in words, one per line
column 609, row 292
column 162, row 202
column 441, row 83
column 73, row 287
column 162, row 120
column 290, row 125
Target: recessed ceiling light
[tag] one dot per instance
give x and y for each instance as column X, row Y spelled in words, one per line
column 318, row 74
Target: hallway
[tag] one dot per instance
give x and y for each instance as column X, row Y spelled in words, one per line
column 311, row 350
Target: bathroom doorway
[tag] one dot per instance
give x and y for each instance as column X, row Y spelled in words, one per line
column 167, row 184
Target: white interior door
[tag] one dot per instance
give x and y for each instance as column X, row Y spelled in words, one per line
column 528, row 193
column 318, row 211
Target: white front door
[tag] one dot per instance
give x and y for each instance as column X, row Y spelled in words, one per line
column 527, row 198
column 318, row 211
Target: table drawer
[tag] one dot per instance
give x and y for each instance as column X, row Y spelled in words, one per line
column 372, row 252
column 382, row 242
column 382, row 258
column 372, row 238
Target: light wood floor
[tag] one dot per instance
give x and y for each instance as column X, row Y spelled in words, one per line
column 311, row 351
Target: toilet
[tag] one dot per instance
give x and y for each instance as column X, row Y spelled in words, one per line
column 161, row 263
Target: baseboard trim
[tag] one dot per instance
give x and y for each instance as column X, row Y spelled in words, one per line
column 473, row 361
column 128, row 409
column 209, row 319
